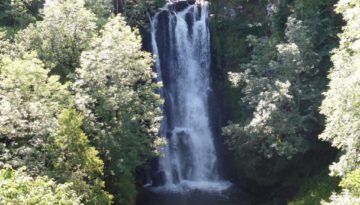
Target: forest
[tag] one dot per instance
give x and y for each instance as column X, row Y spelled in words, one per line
column 104, row 101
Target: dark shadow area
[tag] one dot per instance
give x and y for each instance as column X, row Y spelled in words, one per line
column 232, row 196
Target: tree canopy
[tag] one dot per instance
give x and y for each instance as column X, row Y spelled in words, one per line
column 76, row 107
column 115, row 89
column 342, row 105
column 80, row 109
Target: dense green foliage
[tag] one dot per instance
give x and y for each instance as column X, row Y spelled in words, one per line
column 342, row 105
column 115, row 90
column 281, row 87
column 79, row 112
column 278, row 89
column 78, row 104
column 316, row 189
column 16, row 187
column 35, row 134
column 138, row 12
column 30, row 102
column 61, row 36
column 19, row 13
column 274, row 90
column 277, row 63
column 75, row 160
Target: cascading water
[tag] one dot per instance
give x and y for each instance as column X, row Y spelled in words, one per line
column 181, row 43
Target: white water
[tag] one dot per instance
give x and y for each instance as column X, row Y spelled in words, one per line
column 190, row 158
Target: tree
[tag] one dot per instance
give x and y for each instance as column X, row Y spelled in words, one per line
column 138, row 12
column 59, row 39
column 102, row 8
column 274, row 90
column 30, row 101
column 38, row 131
column 115, row 90
column 19, row 13
column 75, row 160
column 16, row 187
column 342, row 105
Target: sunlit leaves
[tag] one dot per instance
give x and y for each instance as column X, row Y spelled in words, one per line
column 115, row 90
column 342, row 104
column 17, row 187
column 30, row 101
column 272, row 91
column 60, row 38
column 76, row 161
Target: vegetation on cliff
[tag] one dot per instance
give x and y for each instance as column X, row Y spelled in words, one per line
column 278, row 88
column 79, row 111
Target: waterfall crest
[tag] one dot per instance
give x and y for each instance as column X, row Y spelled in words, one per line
column 181, row 43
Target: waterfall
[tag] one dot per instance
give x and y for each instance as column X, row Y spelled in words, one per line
column 181, row 44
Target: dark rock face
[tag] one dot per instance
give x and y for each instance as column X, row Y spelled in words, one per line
column 185, row 157
column 181, row 5
column 159, row 179
column 165, row 52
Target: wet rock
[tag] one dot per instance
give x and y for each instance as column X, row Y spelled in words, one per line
column 159, row 178
column 181, row 5
column 176, row 177
column 191, row 2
